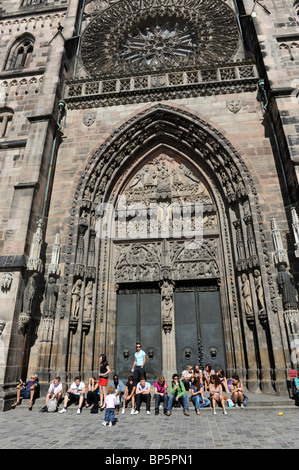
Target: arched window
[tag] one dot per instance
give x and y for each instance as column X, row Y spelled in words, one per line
column 20, row 54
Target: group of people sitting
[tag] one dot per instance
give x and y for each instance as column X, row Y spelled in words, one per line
column 115, row 396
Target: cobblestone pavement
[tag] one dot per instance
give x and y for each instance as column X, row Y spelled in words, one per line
column 248, row 428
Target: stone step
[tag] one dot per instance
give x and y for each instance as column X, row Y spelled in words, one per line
column 255, row 400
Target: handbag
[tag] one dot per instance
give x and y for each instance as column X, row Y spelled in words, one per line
column 52, row 406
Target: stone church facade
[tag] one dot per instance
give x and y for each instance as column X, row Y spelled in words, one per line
column 149, row 188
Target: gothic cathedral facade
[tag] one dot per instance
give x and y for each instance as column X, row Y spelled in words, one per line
column 149, row 188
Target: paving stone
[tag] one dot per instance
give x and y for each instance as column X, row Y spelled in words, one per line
column 250, row 428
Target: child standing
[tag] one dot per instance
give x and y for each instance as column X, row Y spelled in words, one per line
column 110, row 402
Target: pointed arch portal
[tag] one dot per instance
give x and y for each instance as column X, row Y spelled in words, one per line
column 168, row 248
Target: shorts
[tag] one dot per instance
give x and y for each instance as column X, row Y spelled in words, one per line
column 74, row 398
column 25, row 393
column 103, row 381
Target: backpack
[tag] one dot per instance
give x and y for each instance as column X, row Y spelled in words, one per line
column 52, row 406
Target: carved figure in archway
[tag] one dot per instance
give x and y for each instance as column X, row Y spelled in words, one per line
column 259, row 289
column 29, row 294
column 287, row 289
column 76, row 295
column 167, row 299
column 51, row 298
column 247, row 295
column 88, row 300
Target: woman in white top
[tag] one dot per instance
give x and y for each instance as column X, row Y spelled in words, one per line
column 187, row 377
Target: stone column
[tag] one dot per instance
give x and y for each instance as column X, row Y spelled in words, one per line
column 168, row 334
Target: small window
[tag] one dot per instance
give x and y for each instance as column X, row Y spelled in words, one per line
column 6, row 116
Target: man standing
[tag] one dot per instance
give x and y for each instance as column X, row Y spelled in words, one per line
column 139, row 363
column 143, row 390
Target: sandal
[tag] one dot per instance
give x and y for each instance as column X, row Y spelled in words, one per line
column 30, row 406
column 15, row 404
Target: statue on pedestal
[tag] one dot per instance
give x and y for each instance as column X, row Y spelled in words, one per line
column 287, row 288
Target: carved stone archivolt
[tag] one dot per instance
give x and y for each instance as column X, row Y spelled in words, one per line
column 164, row 179
column 157, row 35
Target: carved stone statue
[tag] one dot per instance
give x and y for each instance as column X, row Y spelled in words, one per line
column 50, row 298
column 34, row 261
column 167, row 299
column 28, row 297
column 88, row 300
column 76, row 295
column 29, row 293
column 259, row 289
column 247, row 295
column 287, row 289
column 5, row 281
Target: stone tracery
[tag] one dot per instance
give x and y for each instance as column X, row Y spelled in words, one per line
column 155, row 34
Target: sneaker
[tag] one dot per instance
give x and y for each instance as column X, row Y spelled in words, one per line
column 242, row 406
column 236, row 405
column 136, row 412
column 64, row 410
column 104, row 423
column 79, row 411
column 132, row 412
column 225, row 412
column 215, row 412
column 156, row 412
column 148, row 412
column 123, row 411
column 110, row 424
column 168, row 413
column 186, row 413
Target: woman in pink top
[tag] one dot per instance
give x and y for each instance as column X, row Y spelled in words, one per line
column 161, row 387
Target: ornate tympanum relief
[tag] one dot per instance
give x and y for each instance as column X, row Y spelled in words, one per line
column 165, row 199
